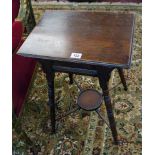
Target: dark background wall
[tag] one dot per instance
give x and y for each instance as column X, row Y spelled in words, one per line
column 135, row 1
column 123, row 1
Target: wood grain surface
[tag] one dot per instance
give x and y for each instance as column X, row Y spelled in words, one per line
column 101, row 37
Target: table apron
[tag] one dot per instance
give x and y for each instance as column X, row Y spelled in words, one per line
column 75, row 71
column 72, row 68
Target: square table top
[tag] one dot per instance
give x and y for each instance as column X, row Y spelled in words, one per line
column 104, row 38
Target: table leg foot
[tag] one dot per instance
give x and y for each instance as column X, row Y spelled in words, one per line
column 53, row 130
column 111, row 118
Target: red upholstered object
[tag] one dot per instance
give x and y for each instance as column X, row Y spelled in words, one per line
column 17, row 31
column 22, row 68
column 15, row 9
column 17, row 27
column 22, row 71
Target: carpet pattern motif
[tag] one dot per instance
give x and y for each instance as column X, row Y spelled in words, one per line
column 83, row 133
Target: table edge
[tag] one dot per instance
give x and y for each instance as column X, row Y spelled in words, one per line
column 81, row 61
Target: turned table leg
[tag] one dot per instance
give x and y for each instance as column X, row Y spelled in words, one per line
column 104, row 80
column 121, row 74
column 50, row 80
column 70, row 78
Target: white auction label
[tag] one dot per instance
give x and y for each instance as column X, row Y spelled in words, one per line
column 76, row 55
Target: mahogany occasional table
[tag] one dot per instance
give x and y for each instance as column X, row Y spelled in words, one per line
column 85, row 43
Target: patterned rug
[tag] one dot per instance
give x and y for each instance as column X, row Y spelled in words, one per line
column 82, row 133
